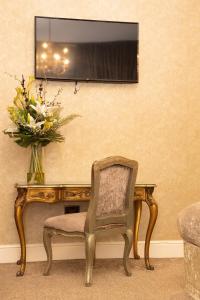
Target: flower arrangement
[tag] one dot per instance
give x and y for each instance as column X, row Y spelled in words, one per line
column 36, row 122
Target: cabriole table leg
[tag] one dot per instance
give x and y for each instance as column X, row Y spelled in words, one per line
column 18, row 213
column 137, row 217
column 153, row 208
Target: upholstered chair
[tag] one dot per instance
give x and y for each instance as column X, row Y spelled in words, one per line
column 189, row 229
column 111, row 208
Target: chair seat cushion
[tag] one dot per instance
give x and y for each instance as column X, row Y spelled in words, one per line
column 189, row 224
column 68, row 222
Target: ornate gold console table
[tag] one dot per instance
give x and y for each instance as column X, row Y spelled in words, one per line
column 55, row 193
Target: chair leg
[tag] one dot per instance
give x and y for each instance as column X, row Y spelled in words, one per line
column 89, row 253
column 94, row 260
column 128, row 237
column 47, row 235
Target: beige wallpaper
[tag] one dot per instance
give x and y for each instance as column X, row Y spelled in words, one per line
column 155, row 122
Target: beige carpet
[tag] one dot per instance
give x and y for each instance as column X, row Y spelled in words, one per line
column 109, row 281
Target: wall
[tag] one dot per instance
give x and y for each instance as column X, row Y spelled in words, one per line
column 155, row 122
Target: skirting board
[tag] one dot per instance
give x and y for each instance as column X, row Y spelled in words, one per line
column 36, row 252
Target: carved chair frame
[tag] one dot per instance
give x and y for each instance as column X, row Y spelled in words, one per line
column 121, row 223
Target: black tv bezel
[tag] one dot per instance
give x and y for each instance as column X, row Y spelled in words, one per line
column 86, row 80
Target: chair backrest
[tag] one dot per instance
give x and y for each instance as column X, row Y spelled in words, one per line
column 113, row 182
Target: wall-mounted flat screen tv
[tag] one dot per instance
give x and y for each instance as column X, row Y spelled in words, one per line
column 86, row 50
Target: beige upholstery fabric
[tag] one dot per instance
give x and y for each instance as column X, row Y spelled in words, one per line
column 189, row 224
column 112, row 190
column 68, row 222
column 192, row 270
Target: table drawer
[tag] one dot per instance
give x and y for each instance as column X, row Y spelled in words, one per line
column 76, row 194
column 43, row 195
column 139, row 193
column 83, row 194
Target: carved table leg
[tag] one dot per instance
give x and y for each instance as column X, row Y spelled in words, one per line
column 137, row 217
column 18, row 213
column 153, row 208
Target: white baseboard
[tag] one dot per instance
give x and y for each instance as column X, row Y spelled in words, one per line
column 35, row 252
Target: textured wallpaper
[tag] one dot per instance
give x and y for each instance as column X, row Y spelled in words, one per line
column 155, row 122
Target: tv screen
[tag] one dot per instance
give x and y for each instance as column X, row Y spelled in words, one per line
column 86, row 50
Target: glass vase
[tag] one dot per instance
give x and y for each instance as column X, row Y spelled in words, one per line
column 36, row 174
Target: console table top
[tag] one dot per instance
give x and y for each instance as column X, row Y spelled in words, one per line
column 58, row 185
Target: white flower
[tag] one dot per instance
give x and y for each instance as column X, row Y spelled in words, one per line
column 40, row 108
column 11, row 130
column 33, row 124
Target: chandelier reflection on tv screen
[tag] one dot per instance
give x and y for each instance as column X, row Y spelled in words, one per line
column 52, row 59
